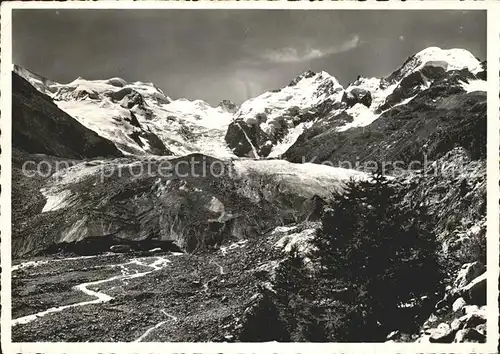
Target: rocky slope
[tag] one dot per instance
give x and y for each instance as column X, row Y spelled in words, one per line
column 461, row 315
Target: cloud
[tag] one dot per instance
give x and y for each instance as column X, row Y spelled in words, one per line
column 292, row 55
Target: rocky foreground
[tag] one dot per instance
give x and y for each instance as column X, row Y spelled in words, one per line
column 461, row 315
column 143, row 297
column 165, row 296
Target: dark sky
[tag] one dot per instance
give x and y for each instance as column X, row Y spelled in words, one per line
column 233, row 54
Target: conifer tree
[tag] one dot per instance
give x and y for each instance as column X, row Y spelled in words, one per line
column 380, row 249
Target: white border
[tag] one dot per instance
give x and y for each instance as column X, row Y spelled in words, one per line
column 493, row 56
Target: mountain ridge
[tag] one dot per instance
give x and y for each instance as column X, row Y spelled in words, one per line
column 265, row 125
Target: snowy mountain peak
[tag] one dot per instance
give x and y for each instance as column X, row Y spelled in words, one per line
column 95, row 89
column 310, row 76
column 138, row 115
column 304, row 92
column 281, row 115
column 305, row 75
column 448, row 59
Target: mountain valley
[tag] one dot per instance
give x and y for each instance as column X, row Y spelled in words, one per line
column 138, row 217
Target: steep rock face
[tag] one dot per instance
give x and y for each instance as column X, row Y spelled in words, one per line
column 42, row 84
column 39, row 126
column 193, row 201
column 114, row 111
column 419, row 71
column 411, row 85
column 421, row 80
column 247, row 139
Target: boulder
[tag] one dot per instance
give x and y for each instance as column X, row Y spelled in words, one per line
column 468, row 272
column 470, row 309
column 472, row 320
column 469, row 335
column 442, row 334
column 432, row 318
column 475, row 292
column 456, row 324
column 458, row 304
column 481, row 329
column 120, row 248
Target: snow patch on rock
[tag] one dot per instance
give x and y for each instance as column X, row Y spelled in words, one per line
column 475, row 85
